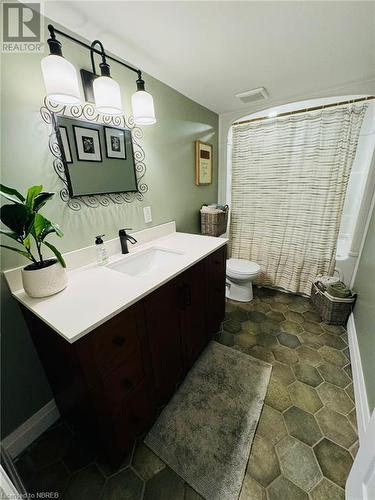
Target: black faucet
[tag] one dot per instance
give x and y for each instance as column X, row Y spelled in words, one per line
column 124, row 238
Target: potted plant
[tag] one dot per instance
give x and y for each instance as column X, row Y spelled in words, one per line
column 26, row 226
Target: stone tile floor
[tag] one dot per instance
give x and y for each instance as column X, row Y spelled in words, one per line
column 305, row 441
column 307, row 436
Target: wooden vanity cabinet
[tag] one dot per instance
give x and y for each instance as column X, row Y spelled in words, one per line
column 110, row 384
column 102, row 383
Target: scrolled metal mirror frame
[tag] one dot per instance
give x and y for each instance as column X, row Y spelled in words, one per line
column 87, row 111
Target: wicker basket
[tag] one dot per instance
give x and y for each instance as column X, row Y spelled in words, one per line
column 214, row 224
column 333, row 310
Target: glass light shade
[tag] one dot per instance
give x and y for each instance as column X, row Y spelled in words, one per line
column 60, row 80
column 143, row 108
column 107, row 96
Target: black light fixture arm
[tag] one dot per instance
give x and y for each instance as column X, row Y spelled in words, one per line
column 103, row 65
column 54, row 44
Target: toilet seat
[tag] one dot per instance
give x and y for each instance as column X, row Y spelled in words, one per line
column 241, row 268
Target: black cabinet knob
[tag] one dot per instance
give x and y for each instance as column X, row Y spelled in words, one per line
column 118, row 340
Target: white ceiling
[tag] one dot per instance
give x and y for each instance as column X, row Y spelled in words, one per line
column 210, row 51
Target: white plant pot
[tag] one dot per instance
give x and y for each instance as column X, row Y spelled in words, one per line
column 46, row 281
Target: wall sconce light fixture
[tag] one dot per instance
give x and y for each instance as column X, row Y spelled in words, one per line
column 61, row 81
column 143, row 104
column 60, row 77
column 106, row 91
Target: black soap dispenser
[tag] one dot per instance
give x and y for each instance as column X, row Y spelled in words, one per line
column 101, row 251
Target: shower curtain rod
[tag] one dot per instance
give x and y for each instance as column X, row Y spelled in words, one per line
column 305, row 110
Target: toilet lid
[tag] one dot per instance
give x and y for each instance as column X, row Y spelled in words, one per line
column 242, row 266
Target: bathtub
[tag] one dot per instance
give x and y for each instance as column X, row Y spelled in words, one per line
column 345, row 261
column 358, row 200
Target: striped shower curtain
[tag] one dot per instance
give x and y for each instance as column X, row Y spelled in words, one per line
column 289, row 180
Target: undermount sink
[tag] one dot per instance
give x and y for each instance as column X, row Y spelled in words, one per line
column 144, row 262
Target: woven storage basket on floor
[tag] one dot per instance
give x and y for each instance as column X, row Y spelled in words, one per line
column 214, row 224
column 333, row 310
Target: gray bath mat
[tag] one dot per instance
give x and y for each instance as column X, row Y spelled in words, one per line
column 205, row 432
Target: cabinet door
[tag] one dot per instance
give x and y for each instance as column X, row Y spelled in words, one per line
column 112, row 343
column 215, row 290
column 162, row 311
column 193, row 314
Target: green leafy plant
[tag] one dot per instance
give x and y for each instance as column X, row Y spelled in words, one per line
column 26, row 225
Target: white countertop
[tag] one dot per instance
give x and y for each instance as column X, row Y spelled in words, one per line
column 96, row 293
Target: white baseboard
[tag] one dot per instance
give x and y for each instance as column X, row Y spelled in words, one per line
column 361, row 401
column 26, row 433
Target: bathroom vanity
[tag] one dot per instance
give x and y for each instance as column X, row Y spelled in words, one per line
column 110, row 382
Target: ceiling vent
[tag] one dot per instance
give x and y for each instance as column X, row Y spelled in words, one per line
column 254, row 95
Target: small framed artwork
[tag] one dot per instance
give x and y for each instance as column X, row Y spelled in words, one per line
column 203, row 163
column 65, row 144
column 87, row 143
column 115, row 143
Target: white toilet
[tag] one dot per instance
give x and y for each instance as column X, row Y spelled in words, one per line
column 240, row 276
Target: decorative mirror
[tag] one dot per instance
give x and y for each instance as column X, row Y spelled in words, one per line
column 98, row 158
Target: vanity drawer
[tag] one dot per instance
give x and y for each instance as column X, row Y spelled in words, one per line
column 122, row 382
column 111, row 344
column 134, row 417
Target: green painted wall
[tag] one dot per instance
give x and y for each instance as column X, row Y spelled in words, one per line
column 364, row 311
column 26, row 160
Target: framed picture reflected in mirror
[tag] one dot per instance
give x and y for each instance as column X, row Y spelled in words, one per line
column 87, row 143
column 115, row 143
column 65, row 145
